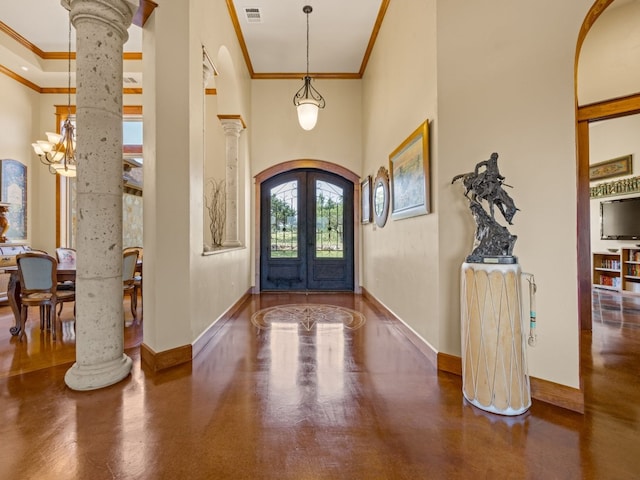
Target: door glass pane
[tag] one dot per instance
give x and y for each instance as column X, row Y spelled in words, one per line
column 284, row 220
column 329, row 220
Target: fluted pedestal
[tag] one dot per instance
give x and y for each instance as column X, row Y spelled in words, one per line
column 101, row 30
column 494, row 366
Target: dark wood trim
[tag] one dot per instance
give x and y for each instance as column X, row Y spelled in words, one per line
column 215, row 327
column 233, row 117
column 293, row 75
column 583, row 225
column 20, row 39
column 374, row 35
column 556, row 394
column 616, row 107
column 403, row 328
column 20, row 79
column 307, row 163
column 156, row 361
column 60, row 90
column 143, row 13
column 240, row 37
column 541, row 390
column 449, row 363
column 300, row 76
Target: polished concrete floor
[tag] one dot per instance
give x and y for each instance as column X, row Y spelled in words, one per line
column 321, row 400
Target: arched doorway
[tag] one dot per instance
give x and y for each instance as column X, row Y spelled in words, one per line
column 307, row 227
column 584, row 115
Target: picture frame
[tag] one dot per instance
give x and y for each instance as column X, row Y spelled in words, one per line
column 616, row 167
column 409, row 175
column 366, row 214
column 13, row 190
column 380, row 197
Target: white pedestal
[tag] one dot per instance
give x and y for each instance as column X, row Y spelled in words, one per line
column 494, row 366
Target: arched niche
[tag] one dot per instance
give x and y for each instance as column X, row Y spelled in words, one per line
column 227, row 86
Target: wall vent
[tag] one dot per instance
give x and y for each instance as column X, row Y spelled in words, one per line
column 253, row 14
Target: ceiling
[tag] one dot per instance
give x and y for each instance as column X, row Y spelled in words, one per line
column 272, row 36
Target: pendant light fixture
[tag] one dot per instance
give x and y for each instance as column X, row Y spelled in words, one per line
column 58, row 152
column 308, row 100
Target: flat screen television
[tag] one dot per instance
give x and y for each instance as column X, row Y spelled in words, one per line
column 620, row 219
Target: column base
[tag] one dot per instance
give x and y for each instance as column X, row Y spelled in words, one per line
column 92, row 377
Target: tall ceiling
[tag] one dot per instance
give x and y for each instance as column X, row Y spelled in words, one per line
column 272, row 34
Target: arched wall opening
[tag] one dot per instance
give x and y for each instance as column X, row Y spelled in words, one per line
column 586, row 114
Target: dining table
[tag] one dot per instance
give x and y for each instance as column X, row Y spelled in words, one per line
column 66, row 272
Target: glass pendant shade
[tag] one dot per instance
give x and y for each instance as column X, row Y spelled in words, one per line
column 308, row 114
column 64, row 170
column 308, row 100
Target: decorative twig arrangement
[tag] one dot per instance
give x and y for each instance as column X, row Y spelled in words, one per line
column 215, row 203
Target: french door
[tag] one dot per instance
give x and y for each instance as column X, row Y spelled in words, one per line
column 306, row 232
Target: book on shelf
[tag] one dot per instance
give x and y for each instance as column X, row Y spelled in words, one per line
column 610, row 281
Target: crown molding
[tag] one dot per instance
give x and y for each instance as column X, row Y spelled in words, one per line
column 283, row 76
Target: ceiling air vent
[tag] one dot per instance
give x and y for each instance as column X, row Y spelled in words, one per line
column 253, row 14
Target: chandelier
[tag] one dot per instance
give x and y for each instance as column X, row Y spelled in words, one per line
column 58, row 151
column 308, row 100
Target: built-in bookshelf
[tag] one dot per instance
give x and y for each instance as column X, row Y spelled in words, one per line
column 631, row 270
column 618, row 271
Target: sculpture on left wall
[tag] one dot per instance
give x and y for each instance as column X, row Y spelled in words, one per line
column 493, row 242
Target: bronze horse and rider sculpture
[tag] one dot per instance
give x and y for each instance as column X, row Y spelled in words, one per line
column 493, row 242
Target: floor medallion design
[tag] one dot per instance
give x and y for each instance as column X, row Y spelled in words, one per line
column 308, row 315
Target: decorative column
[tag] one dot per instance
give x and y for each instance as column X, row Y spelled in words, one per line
column 233, row 126
column 101, row 30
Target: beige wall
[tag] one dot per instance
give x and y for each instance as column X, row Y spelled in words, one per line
column 19, row 123
column 277, row 137
column 185, row 292
column 400, row 261
column 489, row 81
column 508, row 88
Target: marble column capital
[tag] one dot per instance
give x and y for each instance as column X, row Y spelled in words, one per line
column 232, row 126
column 118, row 14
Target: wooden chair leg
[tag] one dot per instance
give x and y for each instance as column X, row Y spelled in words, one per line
column 23, row 321
column 134, row 304
column 52, row 319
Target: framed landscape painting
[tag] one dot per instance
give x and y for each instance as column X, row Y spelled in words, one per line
column 365, row 198
column 13, row 190
column 409, row 175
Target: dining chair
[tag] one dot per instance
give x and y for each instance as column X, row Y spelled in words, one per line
column 137, row 278
column 39, row 288
column 66, row 256
column 129, row 262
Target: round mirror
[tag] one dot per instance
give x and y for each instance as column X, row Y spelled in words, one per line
column 381, row 197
